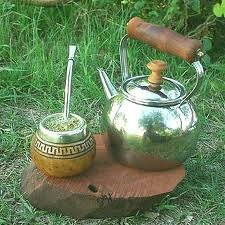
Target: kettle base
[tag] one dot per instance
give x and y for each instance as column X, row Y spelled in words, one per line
column 142, row 161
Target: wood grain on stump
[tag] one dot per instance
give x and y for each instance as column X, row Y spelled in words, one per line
column 107, row 189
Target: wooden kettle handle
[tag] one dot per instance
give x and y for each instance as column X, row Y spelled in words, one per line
column 163, row 39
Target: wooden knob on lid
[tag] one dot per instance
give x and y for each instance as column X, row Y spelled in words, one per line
column 155, row 79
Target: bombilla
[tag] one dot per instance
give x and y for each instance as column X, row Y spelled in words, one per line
column 72, row 50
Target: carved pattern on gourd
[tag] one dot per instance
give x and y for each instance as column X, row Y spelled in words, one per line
column 64, row 151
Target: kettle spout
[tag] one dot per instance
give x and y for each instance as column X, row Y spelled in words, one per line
column 109, row 89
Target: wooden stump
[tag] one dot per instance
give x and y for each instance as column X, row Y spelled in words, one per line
column 107, row 189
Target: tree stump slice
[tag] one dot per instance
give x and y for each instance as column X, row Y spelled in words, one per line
column 107, row 189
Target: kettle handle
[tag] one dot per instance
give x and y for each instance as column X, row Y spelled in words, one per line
column 163, row 39
column 167, row 41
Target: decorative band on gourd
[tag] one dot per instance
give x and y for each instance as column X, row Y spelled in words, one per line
column 63, row 151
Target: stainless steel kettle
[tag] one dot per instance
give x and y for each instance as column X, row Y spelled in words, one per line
column 151, row 122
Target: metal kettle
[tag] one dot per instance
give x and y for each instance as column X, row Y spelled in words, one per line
column 151, row 122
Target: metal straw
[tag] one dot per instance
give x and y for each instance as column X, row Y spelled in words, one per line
column 72, row 50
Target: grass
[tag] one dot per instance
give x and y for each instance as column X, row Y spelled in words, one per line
column 33, row 55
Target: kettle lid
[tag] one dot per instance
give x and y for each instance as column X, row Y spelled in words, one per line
column 154, row 90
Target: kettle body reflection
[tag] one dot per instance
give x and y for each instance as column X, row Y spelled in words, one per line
column 150, row 138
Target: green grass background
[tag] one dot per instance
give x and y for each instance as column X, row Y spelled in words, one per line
column 33, row 56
